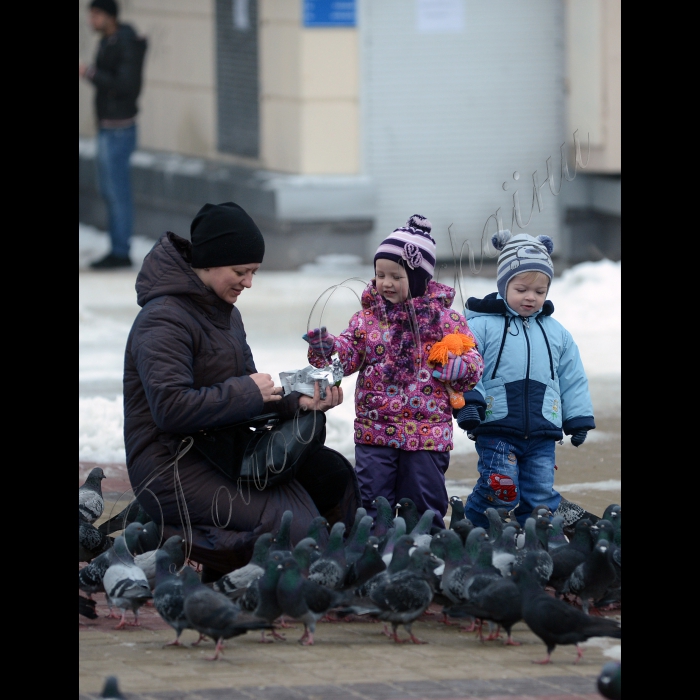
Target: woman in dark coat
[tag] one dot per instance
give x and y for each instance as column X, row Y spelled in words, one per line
column 188, row 367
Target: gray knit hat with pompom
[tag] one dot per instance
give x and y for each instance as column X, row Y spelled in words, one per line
column 521, row 253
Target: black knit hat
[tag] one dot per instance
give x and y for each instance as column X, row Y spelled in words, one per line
column 223, row 234
column 108, row 6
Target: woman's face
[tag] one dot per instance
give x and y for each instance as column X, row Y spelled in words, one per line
column 229, row 281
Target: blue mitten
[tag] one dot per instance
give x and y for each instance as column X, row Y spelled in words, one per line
column 320, row 340
column 468, row 417
column 578, row 436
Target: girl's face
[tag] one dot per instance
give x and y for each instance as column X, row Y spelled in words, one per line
column 229, row 281
column 526, row 293
column 391, row 280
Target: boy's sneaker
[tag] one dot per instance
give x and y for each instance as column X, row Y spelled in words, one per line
column 572, row 513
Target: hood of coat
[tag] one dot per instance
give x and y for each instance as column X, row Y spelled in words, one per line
column 435, row 292
column 166, row 270
column 495, row 304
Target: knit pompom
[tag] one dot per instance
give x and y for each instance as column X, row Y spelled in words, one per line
column 547, row 242
column 499, row 239
column 419, row 222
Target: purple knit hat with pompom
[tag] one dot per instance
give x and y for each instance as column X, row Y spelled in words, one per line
column 521, row 253
column 414, row 248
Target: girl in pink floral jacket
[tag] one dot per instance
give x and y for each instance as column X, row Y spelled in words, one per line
column 403, row 422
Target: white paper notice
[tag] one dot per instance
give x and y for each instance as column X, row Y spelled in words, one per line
column 439, row 16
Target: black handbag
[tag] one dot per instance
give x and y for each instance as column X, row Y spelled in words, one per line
column 263, row 451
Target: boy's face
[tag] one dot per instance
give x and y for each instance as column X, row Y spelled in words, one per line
column 391, row 281
column 527, row 292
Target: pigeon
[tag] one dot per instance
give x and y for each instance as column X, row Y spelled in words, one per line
column 592, row 578
column 86, row 607
column 555, row 536
column 147, row 560
column 91, row 542
column 357, row 540
column 566, row 559
column 214, row 615
column 133, row 513
column 463, row 527
column 421, row 531
column 329, row 569
column 111, row 689
column 482, row 571
column 316, row 526
column 496, row 525
column 606, row 530
column 394, row 534
column 359, row 514
column 533, row 544
column 542, row 529
column 168, row 596
column 498, row 603
column 90, row 576
column 125, row 584
column 305, row 600
column 365, row 568
column 266, row 607
column 400, row 559
column 609, row 681
column 457, row 511
column 556, row 622
column 150, row 538
column 90, row 501
column 384, row 519
column 403, row 597
column 613, row 513
column 447, row 545
column 303, row 554
column 408, row 510
column 254, row 569
column 282, row 538
column 505, row 550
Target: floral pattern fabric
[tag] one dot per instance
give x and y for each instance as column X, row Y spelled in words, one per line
column 398, row 402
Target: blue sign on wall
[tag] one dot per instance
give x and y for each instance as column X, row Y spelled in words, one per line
column 330, row 13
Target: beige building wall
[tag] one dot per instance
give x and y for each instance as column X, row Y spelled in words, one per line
column 309, row 85
column 594, row 56
column 177, row 107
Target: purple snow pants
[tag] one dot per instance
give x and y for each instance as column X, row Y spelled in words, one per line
column 397, row 474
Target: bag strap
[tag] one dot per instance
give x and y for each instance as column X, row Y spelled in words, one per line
column 255, row 421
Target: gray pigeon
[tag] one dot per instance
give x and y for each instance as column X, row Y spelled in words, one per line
column 592, row 578
column 214, row 615
column 505, row 550
column 329, row 569
column 305, row 600
column 243, row 577
column 356, row 542
column 125, row 584
column 168, row 595
column 91, row 542
column 111, row 689
column 421, row 532
column 265, row 588
column 86, row 607
column 147, row 560
column 90, row 576
column 533, row 544
column 282, row 539
column 392, row 537
column 90, row 501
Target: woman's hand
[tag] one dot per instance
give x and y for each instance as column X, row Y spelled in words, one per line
column 334, row 397
column 267, row 387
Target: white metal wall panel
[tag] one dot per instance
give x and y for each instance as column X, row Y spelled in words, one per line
column 448, row 118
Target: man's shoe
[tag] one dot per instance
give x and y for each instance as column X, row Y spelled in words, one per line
column 111, row 262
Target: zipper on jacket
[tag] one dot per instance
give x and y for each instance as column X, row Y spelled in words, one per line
column 526, row 392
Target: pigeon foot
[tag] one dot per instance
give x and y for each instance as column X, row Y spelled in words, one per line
column 546, row 660
column 307, row 640
column 415, row 639
column 175, row 643
column 217, row 651
column 202, row 637
column 122, row 623
column 510, row 642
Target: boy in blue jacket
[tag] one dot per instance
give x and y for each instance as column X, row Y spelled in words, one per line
column 533, row 387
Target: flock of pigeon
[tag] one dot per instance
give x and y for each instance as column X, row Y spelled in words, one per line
column 391, row 568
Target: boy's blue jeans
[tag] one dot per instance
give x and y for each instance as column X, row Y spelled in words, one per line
column 114, row 148
column 514, row 473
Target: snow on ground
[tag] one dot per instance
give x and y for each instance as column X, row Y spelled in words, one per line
column 278, row 310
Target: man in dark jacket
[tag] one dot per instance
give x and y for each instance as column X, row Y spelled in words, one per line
column 188, row 367
column 116, row 75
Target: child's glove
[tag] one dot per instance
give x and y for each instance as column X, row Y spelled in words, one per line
column 320, row 341
column 455, row 368
column 468, row 417
column 578, row 436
